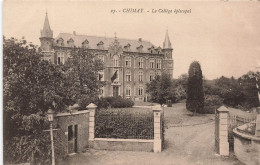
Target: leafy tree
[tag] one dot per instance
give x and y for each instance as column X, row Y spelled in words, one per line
column 160, row 89
column 30, row 87
column 83, row 70
column 180, row 86
column 195, row 94
column 248, row 86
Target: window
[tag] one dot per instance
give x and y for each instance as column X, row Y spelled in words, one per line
column 115, row 61
column 101, row 75
column 128, row 90
column 141, row 62
column 101, row 91
column 159, row 64
column 151, row 76
column 140, row 91
column 151, row 63
column 128, row 76
column 128, row 61
column 140, row 76
column 60, row 58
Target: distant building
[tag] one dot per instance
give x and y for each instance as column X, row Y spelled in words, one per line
column 129, row 64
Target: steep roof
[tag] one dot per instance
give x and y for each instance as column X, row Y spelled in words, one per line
column 46, row 31
column 167, row 43
column 94, row 40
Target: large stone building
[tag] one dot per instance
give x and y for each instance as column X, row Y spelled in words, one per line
column 129, row 64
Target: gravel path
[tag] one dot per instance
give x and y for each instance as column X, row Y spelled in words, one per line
column 188, row 139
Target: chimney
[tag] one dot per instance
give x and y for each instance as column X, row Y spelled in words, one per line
column 140, row 39
column 74, row 33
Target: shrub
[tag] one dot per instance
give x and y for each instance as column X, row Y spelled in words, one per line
column 114, row 102
column 211, row 103
column 123, row 124
column 195, row 94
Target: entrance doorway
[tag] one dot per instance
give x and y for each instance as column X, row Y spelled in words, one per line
column 115, row 90
column 72, row 138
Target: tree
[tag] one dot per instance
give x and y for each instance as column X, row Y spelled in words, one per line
column 180, row 86
column 83, row 70
column 160, row 89
column 31, row 87
column 195, row 93
column 248, row 86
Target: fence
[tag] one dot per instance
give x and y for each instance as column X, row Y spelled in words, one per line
column 124, row 124
column 235, row 121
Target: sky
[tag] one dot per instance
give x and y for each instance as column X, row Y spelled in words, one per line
column 223, row 36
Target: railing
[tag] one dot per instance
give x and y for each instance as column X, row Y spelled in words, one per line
column 124, row 124
column 236, row 121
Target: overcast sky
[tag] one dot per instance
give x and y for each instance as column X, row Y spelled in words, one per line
column 223, row 37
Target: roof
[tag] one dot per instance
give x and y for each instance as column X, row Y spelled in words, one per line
column 46, row 31
column 167, row 43
column 95, row 40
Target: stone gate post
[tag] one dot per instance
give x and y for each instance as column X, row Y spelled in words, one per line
column 223, row 131
column 157, row 146
column 92, row 108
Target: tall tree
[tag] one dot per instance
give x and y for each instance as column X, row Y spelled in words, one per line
column 31, row 85
column 83, row 69
column 160, row 89
column 195, row 94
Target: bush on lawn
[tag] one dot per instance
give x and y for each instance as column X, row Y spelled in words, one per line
column 114, row 102
column 211, row 103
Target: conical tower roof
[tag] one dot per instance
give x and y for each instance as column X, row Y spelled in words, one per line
column 46, row 31
column 167, row 43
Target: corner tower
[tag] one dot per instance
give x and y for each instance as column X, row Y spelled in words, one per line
column 167, row 50
column 47, row 41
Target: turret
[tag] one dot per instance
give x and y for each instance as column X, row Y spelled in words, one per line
column 167, row 46
column 46, row 36
column 167, row 50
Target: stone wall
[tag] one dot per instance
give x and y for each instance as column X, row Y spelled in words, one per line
column 247, row 148
column 123, row 144
column 81, row 119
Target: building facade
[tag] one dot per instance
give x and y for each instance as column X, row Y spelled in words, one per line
column 129, row 64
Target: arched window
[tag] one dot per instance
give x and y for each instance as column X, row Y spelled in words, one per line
column 128, row 90
column 159, row 64
column 128, row 76
column 60, row 58
column 140, row 91
column 152, row 63
column 141, row 62
column 151, row 76
column 140, row 76
column 115, row 61
column 128, row 62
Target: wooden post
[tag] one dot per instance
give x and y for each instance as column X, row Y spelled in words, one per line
column 223, row 131
column 157, row 146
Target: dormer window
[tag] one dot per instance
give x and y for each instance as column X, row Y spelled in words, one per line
column 127, row 47
column 70, row 42
column 151, row 50
column 159, row 49
column 100, row 45
column 140, row 48
column 60, row 42
column 85, row 44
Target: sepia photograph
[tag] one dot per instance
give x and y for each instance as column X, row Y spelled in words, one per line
column 131, row 83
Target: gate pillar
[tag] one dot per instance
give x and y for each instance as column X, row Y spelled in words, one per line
column 222, row 131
